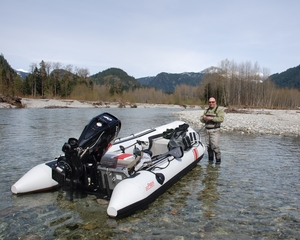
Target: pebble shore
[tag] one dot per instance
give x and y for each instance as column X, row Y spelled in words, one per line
column 252, row 121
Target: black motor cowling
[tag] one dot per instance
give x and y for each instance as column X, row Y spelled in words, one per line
column 82, row 156
column 105, row 125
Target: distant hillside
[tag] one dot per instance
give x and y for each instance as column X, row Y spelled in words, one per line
column 115, row 77
column 60, row 73
column 4, row 66
column 145, row 80
column 290, row 78
column 168, row 81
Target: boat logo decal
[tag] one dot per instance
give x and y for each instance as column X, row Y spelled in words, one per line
column 107, row 118
column 149, row 186
column 196, row 155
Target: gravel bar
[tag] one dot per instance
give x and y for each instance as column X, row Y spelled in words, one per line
column 250, row 121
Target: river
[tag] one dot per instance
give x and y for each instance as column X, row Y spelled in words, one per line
column 253, row 194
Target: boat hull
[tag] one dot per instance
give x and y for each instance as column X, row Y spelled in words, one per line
column 123, row 203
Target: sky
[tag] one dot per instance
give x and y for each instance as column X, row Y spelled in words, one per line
column 147, row 37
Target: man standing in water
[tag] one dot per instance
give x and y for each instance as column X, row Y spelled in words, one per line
column 213, row 117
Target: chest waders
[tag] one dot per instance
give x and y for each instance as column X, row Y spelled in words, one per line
column 212, row 138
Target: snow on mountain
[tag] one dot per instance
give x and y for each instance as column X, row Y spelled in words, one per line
column 211, row 70
column 22, row 73
column 22, row 70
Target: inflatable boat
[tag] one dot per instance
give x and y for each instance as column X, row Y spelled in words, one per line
column 131, row 172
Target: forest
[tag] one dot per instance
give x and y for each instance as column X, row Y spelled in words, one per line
column 236, row 85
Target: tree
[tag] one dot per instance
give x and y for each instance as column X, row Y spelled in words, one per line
column 56, row 66
column 66, row 81
column 33, row 78
column 42, row 76
column 49, row 85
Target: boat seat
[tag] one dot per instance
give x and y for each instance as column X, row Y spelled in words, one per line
column 159, row 146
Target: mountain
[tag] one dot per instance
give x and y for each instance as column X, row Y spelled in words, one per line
column 212, row 70
column 5, row 66
column 145, row 80
column 167, row 82
column 6, row 69
column 289, row 78
column 60, row 73
column 22, row 73
column 115, row 77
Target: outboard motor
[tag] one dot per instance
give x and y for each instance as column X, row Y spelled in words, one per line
column 79, row 164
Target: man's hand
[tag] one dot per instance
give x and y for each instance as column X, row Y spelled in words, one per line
column 207, row 118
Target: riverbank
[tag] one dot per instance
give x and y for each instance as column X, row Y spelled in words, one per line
column 68, row 103
column 256, row 121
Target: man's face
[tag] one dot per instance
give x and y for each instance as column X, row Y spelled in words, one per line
column 212, row 102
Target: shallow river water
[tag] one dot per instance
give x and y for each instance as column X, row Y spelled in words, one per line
column 253, row 194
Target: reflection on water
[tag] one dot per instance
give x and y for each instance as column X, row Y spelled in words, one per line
column 209, row 194
column 254, row 193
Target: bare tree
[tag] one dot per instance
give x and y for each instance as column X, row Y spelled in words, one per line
column 265, row 76
column 48, row 66
column 82, row 72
